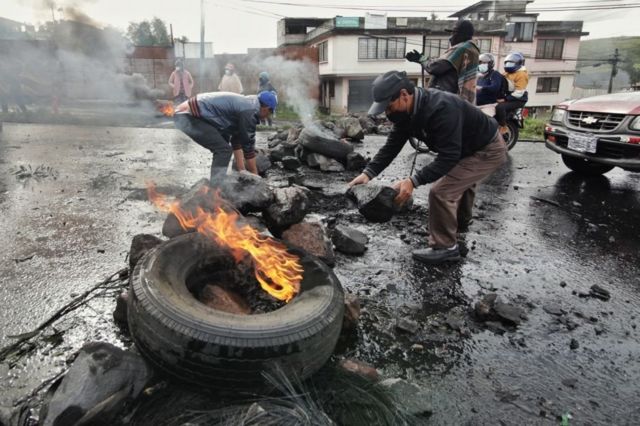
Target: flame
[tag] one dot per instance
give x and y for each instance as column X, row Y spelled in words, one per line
column 278, row 272
column 167, row 109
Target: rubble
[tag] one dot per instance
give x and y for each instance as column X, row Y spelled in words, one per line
column 291, row 163
column 407, row 325
column 356, row 162
column 122, row 308
column 349, row 241
column 491, row 309
column 352, row 128
column 289, row 206
column 360, row 368
column 312, row 238
column 351, row 311
column 246, row 192
column 323, row 143
column 599, row 293
column 375, row 202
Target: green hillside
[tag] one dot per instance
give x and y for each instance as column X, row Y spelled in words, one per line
column 598, row 51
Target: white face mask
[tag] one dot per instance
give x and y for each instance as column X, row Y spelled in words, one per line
column 483, row 68
column 227, row 72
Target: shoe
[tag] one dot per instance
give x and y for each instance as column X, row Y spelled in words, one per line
column 503, row 130
column 434, row 256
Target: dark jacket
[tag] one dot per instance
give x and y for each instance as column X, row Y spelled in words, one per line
column 266, row 87
column 455, row 70
column 451, row 127
column 490, row 88
column 233, row 115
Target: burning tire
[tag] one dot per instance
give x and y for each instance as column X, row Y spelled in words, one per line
column 202, row 345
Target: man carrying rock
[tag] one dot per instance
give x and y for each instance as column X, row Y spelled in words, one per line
column 224, row 123
column 468, row 145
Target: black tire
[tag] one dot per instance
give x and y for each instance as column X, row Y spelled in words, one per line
column 419, row 146
column 197, row 344
column 585, row 167
column 511, row 136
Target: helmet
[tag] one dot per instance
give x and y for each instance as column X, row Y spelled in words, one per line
column 269, row 99
column 263, row 76
column 513, row 62
column 487, row 58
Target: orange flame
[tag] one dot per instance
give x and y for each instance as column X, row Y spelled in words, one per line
column 278, row 272
column 167, row 109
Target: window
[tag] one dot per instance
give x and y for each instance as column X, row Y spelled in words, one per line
column 323, row 51
column 435, row 47
column 484, row 44
column 549, row 49
column 519, row 31
column 382, row 48
column 548, row 85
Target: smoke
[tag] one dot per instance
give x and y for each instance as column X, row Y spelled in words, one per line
column 297, row 80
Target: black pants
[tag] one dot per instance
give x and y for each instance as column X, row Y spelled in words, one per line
column 206, row 135
column 504, row 108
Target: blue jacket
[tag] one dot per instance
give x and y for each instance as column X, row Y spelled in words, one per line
column 235, row 116
column 489, row 88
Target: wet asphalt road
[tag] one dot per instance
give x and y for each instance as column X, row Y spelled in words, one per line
column 68, row 224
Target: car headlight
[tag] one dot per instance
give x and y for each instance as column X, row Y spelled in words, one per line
column 557, row 116
column 635, row 123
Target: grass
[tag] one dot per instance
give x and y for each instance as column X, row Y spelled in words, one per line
column 533, row 129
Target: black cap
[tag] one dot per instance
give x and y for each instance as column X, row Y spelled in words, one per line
column 385, row 87
column 462, row 27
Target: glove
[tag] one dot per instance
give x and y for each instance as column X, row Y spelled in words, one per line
column 415, row 56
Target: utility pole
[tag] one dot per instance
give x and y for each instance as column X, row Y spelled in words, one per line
column 614, row 69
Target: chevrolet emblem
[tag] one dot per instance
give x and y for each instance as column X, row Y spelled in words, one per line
column 589, row 120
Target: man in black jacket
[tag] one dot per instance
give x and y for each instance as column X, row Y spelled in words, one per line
column 468, row 145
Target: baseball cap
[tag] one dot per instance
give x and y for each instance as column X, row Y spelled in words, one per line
column 385, row 87
column 463, row 27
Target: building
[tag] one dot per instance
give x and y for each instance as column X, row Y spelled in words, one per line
column 352, row 51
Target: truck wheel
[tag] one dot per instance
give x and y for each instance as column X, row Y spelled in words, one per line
column 585, row 167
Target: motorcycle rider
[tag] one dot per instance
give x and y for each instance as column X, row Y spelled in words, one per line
column 455, row 70
column 518, row 78
column 490, row 87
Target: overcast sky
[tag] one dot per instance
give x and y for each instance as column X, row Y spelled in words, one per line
column 235, row 25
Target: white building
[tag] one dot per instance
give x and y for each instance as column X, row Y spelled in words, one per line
column 352, row 51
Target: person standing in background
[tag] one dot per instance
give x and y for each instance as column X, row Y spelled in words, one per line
column 264, row 85
column 181, row 82
column 230, row 81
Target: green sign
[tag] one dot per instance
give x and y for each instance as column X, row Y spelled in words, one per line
column 347, row 22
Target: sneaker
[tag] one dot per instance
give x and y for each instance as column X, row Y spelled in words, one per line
column 434, row 256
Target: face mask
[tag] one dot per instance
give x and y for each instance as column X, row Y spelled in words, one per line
column 455, row 39
column 227, row 72
column 398, row 117
column 483, row 68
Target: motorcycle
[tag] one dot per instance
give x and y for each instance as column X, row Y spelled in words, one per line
column 515, row 122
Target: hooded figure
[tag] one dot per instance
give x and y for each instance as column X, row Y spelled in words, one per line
column 181, row 82
column 230, row 81
column 455, row 70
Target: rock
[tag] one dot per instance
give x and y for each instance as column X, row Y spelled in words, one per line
column 384, row 129
column 291, row 163
column 404, row 208
column 199, row 196
column 414, row 401
column 302, row 154
column 573, row 345
column 570, row 383
column 509, row 313
column 483, row 308
column 599, row 293
column 120, row 313
column 553, row 309
column 101, row 380
column 349, row 241
column 496, row 327
column 324, row 143
column 356, row 162
column 454, row 321
column 140, row 245
column 293, row 135
column 352, row 128
column 281, row 151
column 367, row 124
column 375, row 202
column 332, row 166
column 360, row 368
column 290, row 205
column 312, row 238
column 417, row 347
column 246, row 192
column 351, row 312
column 263, row 163
column 224, row 300
column 407, row 325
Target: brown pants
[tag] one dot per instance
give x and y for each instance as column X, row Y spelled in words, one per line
column 451, row 197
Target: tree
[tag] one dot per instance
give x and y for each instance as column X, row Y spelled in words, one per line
column 149, row 33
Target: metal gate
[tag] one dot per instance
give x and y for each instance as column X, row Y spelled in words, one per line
column 360, row 97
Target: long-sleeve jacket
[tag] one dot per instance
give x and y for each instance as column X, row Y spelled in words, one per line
column 235, row 116
column 230, row 83
column 520, row 81
column 451, row 127
column 187, row 82
column 489, row 88
column 266, row 87
column 455, row 70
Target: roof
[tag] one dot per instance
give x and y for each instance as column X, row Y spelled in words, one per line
column 487, row 5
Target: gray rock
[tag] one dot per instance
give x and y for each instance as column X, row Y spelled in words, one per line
column 312, row 238
column 315, row 160
column 293, row 134
column 101, row 380
column 384, row 129
column 413, row 400
column 199, row 196
column 367, row 124
column 263, row 163
column 553, row 309
column 302, row 153
column 140, row 245
column 574, row 344
column 599, row 293
column 289, row 206
column 356, row 162
column 509, row 313
column 281, row 151
column 332, row 165
column 324, row 143
column 246, row 192
column 122, row 307
column 484, row 307
column 351, row 311
column 407, row 325
column 291, row 163
column 375, row 202
column 352, row 128
column 349, row 241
